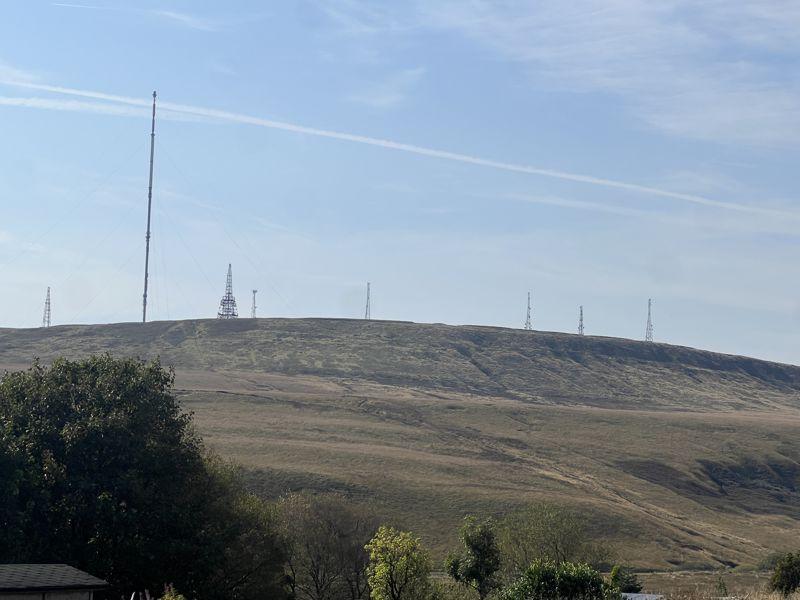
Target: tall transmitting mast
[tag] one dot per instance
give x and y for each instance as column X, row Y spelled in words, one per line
column 227, row 306
column 149, row 209
column 46, row 314
column 580, row 320
column 367, row 311
column 648, row 332
column 253, row 307
column 528, row 323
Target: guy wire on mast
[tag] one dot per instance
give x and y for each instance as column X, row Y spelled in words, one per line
column 149, row 209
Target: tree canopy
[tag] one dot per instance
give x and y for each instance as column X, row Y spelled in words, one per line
column 399, row 567
column 548, row 532
column 480, row 560
column 324, row 538
column 786, row 575
column 100, row 467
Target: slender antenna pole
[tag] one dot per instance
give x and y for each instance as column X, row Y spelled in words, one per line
column 253, row 308
column 648, row 332
column 580, row 320
column 149, row 208
column 528, row 323
column 367, row 311
column 46, row 314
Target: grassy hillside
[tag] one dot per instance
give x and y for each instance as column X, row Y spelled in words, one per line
column 685, row 458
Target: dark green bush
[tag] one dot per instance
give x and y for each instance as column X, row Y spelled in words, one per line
column 786, row 576
column 479, row 561
column 545, row 580
column 625, row 580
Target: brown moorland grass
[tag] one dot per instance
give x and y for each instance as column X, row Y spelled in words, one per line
column 683, row 459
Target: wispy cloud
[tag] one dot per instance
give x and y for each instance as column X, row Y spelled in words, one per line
column 391, row 91
column 715, row 70
column 180, row 18
column 186, row 19
column 711, row 223
column 7, row 72
column 559, row 202
column 418, row 150
column 365, row 18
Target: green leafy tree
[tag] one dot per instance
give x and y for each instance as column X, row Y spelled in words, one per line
column 478, row 563
column 546, row 580
column 625, row 580
column 548, row 532
column 100, row 468
column 399, row 567
column 786, row 575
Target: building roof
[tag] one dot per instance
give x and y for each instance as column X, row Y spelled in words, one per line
column 39, row 578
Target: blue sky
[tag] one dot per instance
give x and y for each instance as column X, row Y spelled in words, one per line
column 455, row 154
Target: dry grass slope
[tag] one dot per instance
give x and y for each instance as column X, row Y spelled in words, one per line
column 685, row 458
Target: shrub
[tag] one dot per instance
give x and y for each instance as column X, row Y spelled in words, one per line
column 625, row 580
column 170, row 593
column 786, row 576
column 721, row 588
column 545, row 580
column 479, row 562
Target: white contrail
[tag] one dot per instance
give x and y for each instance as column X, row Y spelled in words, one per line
column 420, row 150
column 102, row 108
column 73, row 105
column 86, row 6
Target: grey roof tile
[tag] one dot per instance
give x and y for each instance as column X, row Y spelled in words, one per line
column 46, row 577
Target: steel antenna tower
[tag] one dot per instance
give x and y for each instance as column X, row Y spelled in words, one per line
column 227, row 306
column 367, row 314
column 528, row 323
column 580, row 320
column 253, row 307
column 648, row 332
column 46, row 314
column 149, row 208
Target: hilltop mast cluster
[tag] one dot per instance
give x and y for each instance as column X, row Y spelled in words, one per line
column 648, row 334
column 227, row 305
